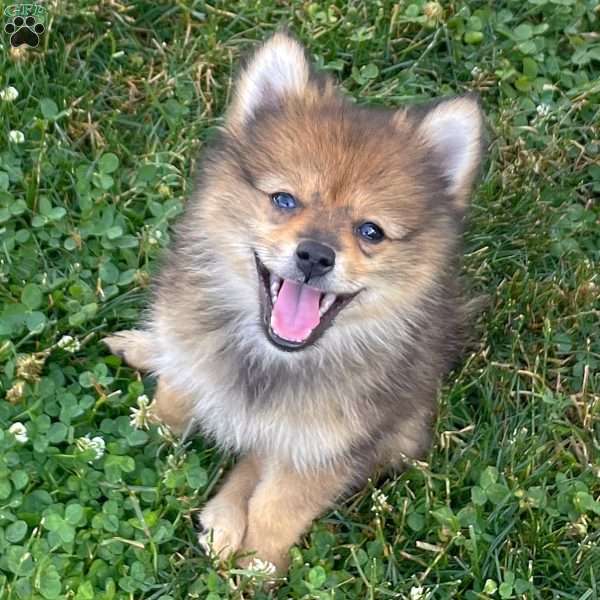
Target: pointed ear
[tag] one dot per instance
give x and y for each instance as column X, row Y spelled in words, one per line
column 453, row 129
column 278, row 69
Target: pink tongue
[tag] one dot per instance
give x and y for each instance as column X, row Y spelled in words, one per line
column 296, row 311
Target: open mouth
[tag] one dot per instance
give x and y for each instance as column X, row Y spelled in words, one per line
column 294, row 314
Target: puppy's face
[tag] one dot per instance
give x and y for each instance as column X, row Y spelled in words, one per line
column 341, row 217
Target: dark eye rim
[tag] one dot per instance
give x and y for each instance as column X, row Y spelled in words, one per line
column 274, row 195
column 366, row 239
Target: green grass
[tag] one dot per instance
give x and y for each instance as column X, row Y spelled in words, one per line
column 114, row 107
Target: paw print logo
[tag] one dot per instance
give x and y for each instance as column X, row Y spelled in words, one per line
column 24, row 31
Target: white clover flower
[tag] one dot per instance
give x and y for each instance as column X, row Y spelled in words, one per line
column 154, row 237
column 417, row 593
column 15, row 394
column 20, row 432
column 433, row 10
column 262, row 567
column 164, row 190
column 68, row 343
column 96, row 444
column 380, row 502
column 167, row 434
column 176, row 462
column 9, row 94
column 141, row 417
column 475, row 72
column 543, row 109
column 16, row 136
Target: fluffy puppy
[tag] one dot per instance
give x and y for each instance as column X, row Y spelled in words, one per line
column 310, row 303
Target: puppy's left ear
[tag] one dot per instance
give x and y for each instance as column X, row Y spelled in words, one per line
column 453, row 130
column 276, row 71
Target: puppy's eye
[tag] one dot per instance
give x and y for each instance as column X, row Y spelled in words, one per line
column 284, row 201
column 370, row 232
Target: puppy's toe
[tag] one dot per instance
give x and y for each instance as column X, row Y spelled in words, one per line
column 221, row 529
column 115, row 344
column 133, row 346
column 219, row 542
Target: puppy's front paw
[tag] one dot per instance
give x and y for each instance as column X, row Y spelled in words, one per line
column 133, row 346
column 223, row 527
column 265, row 555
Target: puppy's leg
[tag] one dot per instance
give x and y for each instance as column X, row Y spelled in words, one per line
column 170, row 406
column 134, row 346
column 173, row 407
column 284, row 505
column 224, row 517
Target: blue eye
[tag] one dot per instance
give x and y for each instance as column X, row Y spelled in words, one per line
column 370, row 232
column 284, row 201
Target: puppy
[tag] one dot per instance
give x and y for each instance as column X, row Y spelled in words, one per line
column 310, row 303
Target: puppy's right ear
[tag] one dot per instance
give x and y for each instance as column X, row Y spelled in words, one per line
column 277, row 70
column 453, row 128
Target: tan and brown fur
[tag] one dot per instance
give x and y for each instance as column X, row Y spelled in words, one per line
column 310, row 425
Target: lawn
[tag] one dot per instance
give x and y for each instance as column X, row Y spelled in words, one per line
column 99, row 141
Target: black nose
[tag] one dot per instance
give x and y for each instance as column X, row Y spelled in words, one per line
column 314, row 258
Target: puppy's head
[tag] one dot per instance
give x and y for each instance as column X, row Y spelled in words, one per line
column 341, row 217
